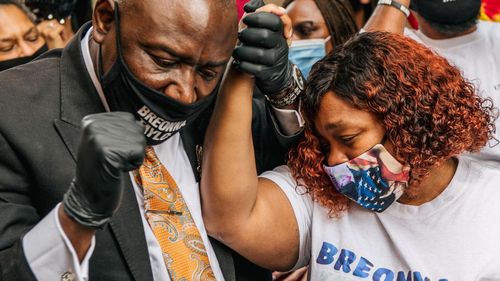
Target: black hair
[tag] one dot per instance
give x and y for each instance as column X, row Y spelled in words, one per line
column 451, row 29
column 338, row 18
column 367, row 8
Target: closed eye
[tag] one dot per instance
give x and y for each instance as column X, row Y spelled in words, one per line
column 347, row 139
column 6, row 49
column 164, row 63
column 208, row 75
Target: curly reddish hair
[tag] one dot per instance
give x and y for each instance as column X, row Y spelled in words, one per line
column 429, row 111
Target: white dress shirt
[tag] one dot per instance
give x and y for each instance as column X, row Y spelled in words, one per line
column 49, row 252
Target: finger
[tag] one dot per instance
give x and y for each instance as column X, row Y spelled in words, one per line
column 272, row 8
column 54, row 33
column 57, row 30
column 259, row 37
column 248, row 67
column 255, row 55
column 264, row 20
column 47, row 24
column 277, row 274
column 124, row 156
column 281, row 12
column 287, row 26
column 253, row 5
column 136, row 156
column 296, row 275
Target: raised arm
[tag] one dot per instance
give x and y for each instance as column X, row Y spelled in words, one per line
column 251, row 215
column 388, row 18
column 248, row 214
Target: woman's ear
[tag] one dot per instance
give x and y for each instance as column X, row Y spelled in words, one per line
column 102, row 19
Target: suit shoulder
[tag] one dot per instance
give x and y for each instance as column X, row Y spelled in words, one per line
column 30, row 87
column 44, row 68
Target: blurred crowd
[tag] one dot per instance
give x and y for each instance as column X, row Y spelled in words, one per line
column 243, row 140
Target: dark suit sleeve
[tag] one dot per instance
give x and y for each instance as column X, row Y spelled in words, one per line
column 270, row 144
column 17, row 215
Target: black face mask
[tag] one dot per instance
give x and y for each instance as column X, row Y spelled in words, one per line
column 6, row 64
column 162, row 116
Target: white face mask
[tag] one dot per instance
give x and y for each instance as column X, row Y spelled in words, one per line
column 305, row 53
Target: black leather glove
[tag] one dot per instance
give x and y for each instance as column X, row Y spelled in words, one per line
column 263, row 51
column 111, row 144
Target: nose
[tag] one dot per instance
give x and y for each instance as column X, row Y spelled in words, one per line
column 182, row 88
column 336, row 156
column 25, row 49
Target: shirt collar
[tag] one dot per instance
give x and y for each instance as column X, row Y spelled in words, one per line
column 90, row 68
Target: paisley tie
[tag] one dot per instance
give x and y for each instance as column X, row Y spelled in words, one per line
column 183, row 250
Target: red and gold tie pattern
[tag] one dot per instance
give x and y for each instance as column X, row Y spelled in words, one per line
column 183, row 250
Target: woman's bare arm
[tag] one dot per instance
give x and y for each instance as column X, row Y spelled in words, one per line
column 250, row 215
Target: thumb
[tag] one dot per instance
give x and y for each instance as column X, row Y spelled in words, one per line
column 253, row 5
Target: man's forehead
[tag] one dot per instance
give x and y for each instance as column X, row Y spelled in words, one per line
column 190, row 16
column 186, row 27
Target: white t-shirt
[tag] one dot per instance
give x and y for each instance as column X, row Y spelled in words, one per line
column 478, row 56
column 455, row 237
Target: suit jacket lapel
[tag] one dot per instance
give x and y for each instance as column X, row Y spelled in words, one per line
column 129, row 232
column 78, row 96
column 78, row 99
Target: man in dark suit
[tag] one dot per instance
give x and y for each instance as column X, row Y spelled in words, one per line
column 158, row 62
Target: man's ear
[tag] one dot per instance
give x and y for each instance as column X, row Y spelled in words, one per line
column 102, row 19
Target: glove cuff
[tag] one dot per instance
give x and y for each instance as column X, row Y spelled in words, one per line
column 77, row 207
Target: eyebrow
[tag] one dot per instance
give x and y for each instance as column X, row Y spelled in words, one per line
column 29, row 31
column 7, row 39
column 304, row 22
column 336, row 125
column 183, row 57
column 14, row 39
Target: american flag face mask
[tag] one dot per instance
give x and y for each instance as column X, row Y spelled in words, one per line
column 374, row 180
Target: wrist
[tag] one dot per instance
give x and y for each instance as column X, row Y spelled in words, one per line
column 288, row 96
column 80, row 236
column 274, row 82
column 79, row 209
column 401, row 5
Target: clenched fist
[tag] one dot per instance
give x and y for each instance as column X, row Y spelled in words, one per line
column 111, row 144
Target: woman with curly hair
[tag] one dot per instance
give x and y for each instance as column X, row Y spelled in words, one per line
column 377, row 189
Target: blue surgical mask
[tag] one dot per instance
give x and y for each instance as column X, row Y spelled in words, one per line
column 305, row 53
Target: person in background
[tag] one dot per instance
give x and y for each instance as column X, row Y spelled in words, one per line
column 377, row 189
column 452, row 30
column 60, row 14
column 20, row 40
column 318, row 26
